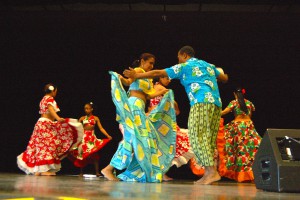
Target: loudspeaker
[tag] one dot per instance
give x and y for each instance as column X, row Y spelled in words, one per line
column 277, row 162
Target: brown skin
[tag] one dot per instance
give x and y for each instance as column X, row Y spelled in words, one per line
column 211, row 175
column 89, row 112
column 182, row 58
column 52, row 115
column 164, row 82
column 147, row 66
column 237, row 118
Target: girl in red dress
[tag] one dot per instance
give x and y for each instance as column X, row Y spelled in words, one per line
column 86, row 152
column 51, row 139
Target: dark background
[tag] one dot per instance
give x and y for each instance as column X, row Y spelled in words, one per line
column 75, row 50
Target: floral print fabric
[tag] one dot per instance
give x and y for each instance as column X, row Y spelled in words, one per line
column 87, row 149
column 49, row 144
column 199, row 80
column 237, row 150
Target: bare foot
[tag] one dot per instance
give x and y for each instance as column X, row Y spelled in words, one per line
column 209, row 179
column 107, row 173
column 37, row 173
column 167, row 178
column 98, row 174
column 200, row 180
column 48, row 173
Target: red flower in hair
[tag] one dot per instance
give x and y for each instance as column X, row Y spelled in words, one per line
column 243, row 91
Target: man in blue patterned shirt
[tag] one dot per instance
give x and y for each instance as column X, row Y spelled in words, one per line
column 199, row 79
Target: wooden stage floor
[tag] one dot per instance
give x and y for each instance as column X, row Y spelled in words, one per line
column 28, row 187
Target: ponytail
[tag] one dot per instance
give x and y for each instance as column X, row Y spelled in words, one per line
column 240, row 96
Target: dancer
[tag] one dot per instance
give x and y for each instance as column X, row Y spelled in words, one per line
column 51, row 140
column 183, row 149
column 200, row 81
column 241, row 140
column 148, row 146
column 86, row 152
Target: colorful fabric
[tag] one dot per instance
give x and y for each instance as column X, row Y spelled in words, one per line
column 235, row 107
column 49, row 144
column 237, row 150
column 199, row 80
column 199, row 169
column 44, row 104
column 203, row 125
column 85, row 152
column 183, row 149
column 143, row 85
column 155, row 100
column 89, row 121
column 148, row 145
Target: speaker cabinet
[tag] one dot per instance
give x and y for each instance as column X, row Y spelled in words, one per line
column 277, row 163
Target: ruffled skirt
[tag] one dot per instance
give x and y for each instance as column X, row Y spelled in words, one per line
column 49, row 144
column 86, row 151
column 237, row 149
column 148, row 146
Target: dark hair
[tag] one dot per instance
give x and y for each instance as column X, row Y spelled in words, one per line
column 188, row 50
column 135, row 63
column 147, row 56
column 156, row 79
column 90, row 104
column 238, row 92
column 49, row 88
column 144, row 56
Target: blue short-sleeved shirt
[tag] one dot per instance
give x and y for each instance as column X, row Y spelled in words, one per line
column 199, row 80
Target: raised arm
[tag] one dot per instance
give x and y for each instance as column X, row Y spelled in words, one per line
column 131, row 73
column 125, row 81
column 223, row 78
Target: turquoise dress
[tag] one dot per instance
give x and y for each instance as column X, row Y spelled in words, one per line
column 149, row 142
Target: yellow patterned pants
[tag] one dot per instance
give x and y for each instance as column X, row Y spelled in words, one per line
column 203, row 125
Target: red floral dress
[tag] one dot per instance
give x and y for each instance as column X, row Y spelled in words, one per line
column 86, row 151
column 49, row 142
column 238, row 146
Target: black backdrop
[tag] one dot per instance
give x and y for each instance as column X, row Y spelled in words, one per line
column 75, row 50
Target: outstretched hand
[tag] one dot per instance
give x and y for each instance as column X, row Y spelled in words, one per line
column 129, row 73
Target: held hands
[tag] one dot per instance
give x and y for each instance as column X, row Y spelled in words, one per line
column 129, row 73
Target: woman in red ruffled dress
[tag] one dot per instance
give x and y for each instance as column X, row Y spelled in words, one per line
column 51, row 139
column 86, row 152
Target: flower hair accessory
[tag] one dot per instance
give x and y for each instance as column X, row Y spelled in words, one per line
column 51, row 88
column 91, row 103
column 243, row 91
